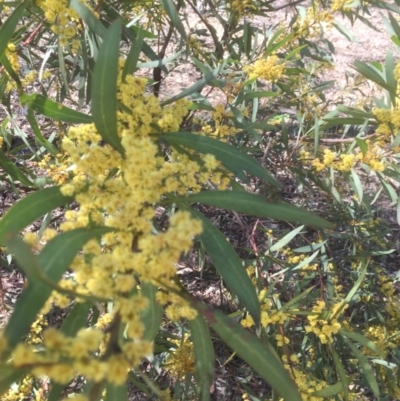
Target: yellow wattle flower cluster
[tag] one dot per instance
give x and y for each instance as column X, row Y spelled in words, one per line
column 324, row 328
column 389, row 123
column 22, row 391
column 392, row 303
column 243, row 7
column 372, row 157
column 181, row 360
column 385, row 339
column 341, row 5
column 268, row 314
column 311, row 25
column 307, row 385
column 63, row 19
column 346, row 162
column 120, row 192
column 270, row 68
column 222, row 128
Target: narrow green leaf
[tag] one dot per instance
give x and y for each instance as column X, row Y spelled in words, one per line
column 196, row 87
column 286, row 239
column 252, row 351
column 104, row 90
column 296, row 299
column 8, row 28
column 357, row 185
column 387, row 364
column 159, row 63
column 56, row 391
column 90, row 19
column 351, row 111
column 366, row 368
column 133, row 55
column 3, row 85
column 360, row 338
column 391, row 192
column 10, row 71
column 395, row 25
column 206, row 71
column 136, row 381
column 54, row 110
column 316, row 136
column 229, row 266
column 395, row 40
column 8, row 376
column 54, row 259
column 257, row 205
column 353, row 291
column 344, row 31
column 204, row 356
column 228, row 155
column 30, row 208
column 9, row 167
column 309, row 248
column 398, row 211
column 247, row 36
column 293, row 53
column 130, row 33
column 257, row 95
column 333, row 122
column 152, row 315
column 173, row 14
column 391, row 81
column 24, row 256
column 63, row 69
column 76, row 319
column 341, row 372
column 371, row 73
column 299, row 266
column 116, row 393
column 38, row 134
column 362, row 144
column 389, row 75
column 329, row 391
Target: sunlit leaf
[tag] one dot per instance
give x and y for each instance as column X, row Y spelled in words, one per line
column 229, row 265
column 9, row 375
column 76, row 319
column 173, row 14
column 228, row 155
column 104, row 90
column 366, row 368
column 54, row 110
column 204, row 356
column 8, row 28
column 152, row 315
column 286, row 239
column 30, row 208
column 252, row 351
column 116, row 393
column 257, row 205
column 133, row 55
column 341, row 372
column 8, row 166
column 90, row 19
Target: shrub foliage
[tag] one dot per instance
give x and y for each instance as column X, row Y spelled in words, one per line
column 124, row 173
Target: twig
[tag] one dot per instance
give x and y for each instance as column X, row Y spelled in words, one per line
column 29, row 39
